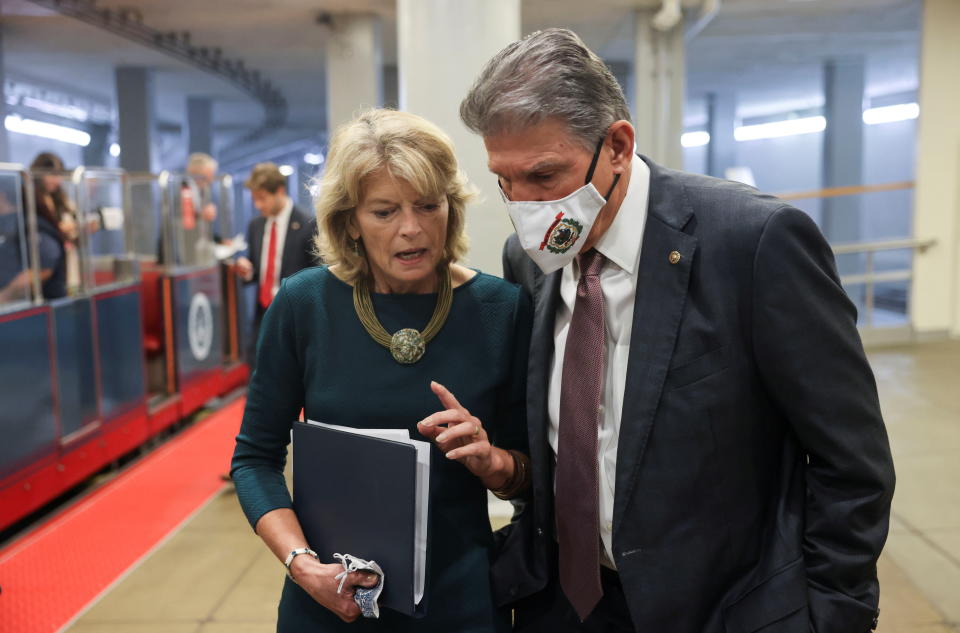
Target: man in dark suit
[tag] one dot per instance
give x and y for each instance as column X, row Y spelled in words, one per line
column 280, row 241
column 707, row 449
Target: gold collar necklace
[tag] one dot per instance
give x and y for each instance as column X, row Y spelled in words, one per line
column 407, row 346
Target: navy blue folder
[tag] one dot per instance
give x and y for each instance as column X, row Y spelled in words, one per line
column 355, row 494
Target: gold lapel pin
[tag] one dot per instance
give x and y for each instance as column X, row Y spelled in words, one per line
column 675, row 257
column 295, row 226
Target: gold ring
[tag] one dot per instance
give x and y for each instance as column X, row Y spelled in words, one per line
column 476, row 429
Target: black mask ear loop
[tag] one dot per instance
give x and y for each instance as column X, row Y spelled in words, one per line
column 593, row 165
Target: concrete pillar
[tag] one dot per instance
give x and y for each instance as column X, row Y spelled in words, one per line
column 199, row 125
column 442, row 46
column 935, row 300
column 137, row 120
column 843, row 83
column 95, row 154
column 659, row 89
column 4, row 140
column 721, row 122
column 354, row 67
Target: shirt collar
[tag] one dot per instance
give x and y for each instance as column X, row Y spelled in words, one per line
column 621, row 242
column 283, row 217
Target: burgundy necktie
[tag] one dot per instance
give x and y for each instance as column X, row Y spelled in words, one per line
column 578, row 489
column 266, row 284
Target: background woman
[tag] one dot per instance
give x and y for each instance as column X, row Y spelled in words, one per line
column 57, row 228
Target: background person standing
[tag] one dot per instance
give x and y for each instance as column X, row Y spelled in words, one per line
column 280, row 241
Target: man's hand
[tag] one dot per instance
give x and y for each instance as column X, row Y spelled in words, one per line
column 209, row 212
column 244, row 268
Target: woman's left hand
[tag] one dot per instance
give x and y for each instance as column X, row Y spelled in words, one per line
column 462, row 437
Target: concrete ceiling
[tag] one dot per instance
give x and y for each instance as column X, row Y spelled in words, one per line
column 770, row 51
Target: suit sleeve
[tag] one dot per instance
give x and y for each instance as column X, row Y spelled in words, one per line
column 512, row 404
column 508, row 273
column 812, row 362
column 249, row 255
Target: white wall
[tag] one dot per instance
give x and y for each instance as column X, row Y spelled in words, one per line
column 936, row 289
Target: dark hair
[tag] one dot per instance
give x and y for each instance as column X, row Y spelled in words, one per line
column 52, row 162
column 266, row 176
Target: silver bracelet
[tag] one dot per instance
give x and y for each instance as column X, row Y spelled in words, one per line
column 294, row 554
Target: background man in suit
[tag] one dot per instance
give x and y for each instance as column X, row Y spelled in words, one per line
column 199, row 224
column 707, row 448
column 280, row 241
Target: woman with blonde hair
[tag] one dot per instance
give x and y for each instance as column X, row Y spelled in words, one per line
column 359, row 342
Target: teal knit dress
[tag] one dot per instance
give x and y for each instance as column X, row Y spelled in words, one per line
column 314, row 354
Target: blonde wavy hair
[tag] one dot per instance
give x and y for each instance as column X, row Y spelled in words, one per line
column 411, row 149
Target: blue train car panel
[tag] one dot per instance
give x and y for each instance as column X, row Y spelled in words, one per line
column 28, row 423
column 120, row 342
column 199, row 331
column 76, row 377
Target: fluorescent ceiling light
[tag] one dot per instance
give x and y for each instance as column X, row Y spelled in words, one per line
column 312, row 158
column 891, row 114
column 777, row 129
column 694, row 139
column 286, row 170
column 42, row 129
column 114, row 149
column 66, row 111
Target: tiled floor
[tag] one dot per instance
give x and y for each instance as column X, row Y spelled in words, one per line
column 214, row 576
column 920, row 396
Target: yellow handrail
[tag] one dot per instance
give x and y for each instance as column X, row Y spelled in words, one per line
column 834, row 192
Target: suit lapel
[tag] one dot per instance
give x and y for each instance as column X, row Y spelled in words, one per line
column 658, row 308
column 256, row 243
column 290, row 243
column 547, row 295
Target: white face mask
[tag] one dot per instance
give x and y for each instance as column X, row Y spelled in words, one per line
column 553, row 232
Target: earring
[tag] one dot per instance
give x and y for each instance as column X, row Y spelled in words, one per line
column 356, row 247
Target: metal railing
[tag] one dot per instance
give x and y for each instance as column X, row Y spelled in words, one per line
column 870, row 277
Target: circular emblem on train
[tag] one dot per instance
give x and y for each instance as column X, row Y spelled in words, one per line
column 200, row 326
column 563, row 235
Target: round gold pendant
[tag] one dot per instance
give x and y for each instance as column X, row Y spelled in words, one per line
column 407, row 346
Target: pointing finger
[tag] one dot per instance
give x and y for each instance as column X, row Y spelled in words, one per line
column 447, row 399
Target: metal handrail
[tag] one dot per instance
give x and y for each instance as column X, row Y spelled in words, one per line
column 870, row 277
column 882, row 245
column 835, row 192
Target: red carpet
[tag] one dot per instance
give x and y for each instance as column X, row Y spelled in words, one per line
column 51, row 575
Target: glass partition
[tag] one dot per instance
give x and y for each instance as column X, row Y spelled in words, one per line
column 15, row 277
column 187, row 221
column 103, row 228
column 229, row 224
column 145, row 234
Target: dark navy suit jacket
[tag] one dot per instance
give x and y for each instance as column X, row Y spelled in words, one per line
column 297, row 246
column 754, row 475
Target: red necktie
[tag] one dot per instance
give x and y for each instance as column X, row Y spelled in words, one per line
column 578, row 476
column 266, row 284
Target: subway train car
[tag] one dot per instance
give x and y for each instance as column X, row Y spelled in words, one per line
column 135, row 326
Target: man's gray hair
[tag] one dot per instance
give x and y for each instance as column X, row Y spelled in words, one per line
column 548, row 74
column 199, row 160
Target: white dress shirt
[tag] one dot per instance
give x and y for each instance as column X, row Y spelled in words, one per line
column 618, row 282
column 282, row 220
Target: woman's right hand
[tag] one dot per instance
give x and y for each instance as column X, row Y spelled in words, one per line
column 320, row 581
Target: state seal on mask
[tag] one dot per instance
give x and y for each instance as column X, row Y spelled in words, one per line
column 562, row 235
